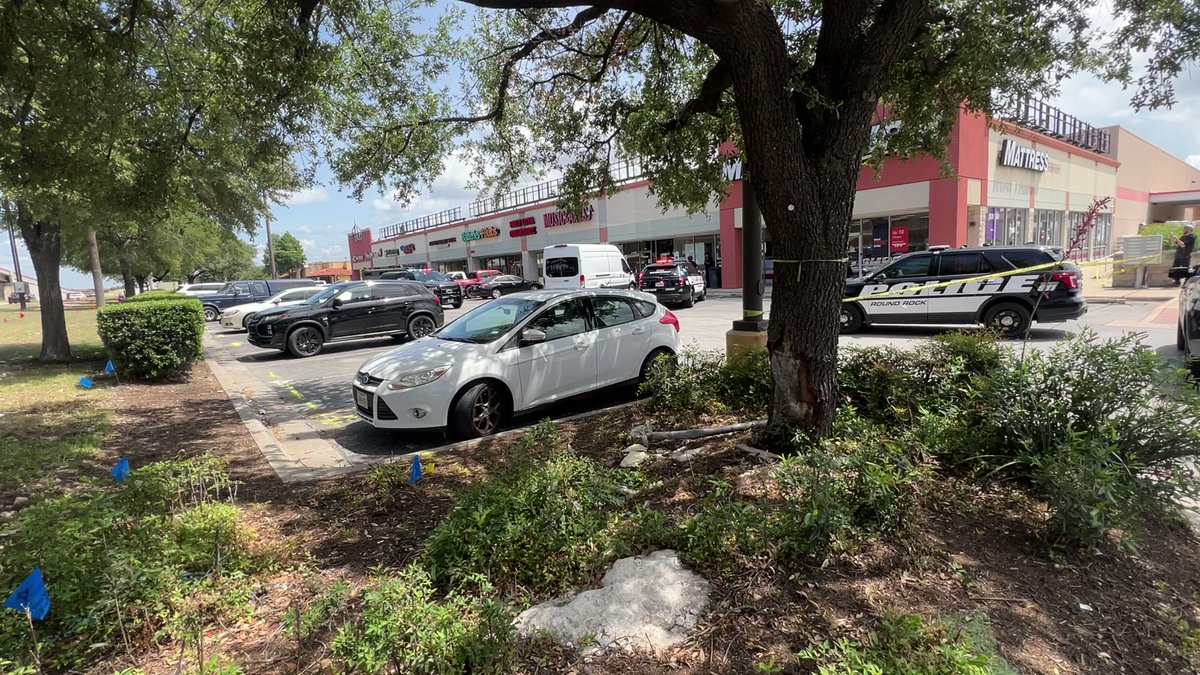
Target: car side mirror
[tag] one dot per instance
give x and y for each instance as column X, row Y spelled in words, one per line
column 276, row 302
column 336, row 304
column 532, row 336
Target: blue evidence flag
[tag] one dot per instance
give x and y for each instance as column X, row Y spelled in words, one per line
column 85, row 383
column 31, row 595
column 121, row 470
column 417, row 472
column 109, row 368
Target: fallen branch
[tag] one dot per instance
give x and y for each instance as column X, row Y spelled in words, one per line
column 690, row 434
column 763, row 454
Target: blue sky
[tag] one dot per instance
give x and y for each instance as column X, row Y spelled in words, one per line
column 322, row 215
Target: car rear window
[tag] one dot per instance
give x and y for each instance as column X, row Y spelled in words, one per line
column 562, row 267
column 1025, row 258
column 661, row 270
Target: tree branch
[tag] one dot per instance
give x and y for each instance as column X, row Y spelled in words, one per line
column 605, row 59
column 707, row 100
column 581, row 20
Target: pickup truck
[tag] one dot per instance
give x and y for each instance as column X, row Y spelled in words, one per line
column 242, row 292
column 473, row 278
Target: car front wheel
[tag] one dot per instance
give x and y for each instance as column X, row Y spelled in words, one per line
column 850, row 319
column 305, row 341
column 479, row 411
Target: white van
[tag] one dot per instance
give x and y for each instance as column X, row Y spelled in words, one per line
column 586, row 266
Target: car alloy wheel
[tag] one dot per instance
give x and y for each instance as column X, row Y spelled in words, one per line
column 485, row 411
column 1009, row 319
column 305, row 341
column 419, row 326
column 496, row 294
column 210, row 313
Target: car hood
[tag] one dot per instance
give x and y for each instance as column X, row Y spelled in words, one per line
column 428, row 352
column 290, row 309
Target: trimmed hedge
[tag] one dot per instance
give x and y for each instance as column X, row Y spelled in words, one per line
column 153, row 340
column 157, row 295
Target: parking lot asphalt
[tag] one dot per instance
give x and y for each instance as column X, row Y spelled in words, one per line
column 317, row 389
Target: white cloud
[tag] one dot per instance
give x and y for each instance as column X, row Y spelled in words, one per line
column 1194, row 160
column 385, row 205
column 308, row 243
column 307, row 196
column 305, row 229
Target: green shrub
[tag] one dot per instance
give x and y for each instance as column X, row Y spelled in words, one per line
column 906, row 645
column 402, row 628
column 119, row 560
column 704, row 382
column 1167, row 230
column 540, row 525
column 151, row 296
column 153, row 340
column 1097, row 429
column 892, row 385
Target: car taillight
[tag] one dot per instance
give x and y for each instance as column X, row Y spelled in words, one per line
column 1067, row 278
column 437, row 301
column 582, row 281
column 641, row 275
column 682, row 280
column 670, row 319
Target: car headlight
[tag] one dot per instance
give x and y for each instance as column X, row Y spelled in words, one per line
column 410, row 380
column 230, row 312
column 272, row 317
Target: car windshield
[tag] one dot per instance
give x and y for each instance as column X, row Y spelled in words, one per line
column 429, row 275
column 324, row 295
column 489, row 322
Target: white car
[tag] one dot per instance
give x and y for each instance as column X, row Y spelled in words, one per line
column 200, row 290
column 516, row 353
column 239, row 315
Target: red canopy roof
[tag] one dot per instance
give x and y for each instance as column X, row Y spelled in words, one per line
column 330, row 272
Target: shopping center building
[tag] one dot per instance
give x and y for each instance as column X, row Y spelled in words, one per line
column 1029, row 178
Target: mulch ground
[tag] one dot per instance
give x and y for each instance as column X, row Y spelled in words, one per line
column 979, row 549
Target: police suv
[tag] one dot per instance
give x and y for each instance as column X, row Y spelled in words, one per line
column 951, row 292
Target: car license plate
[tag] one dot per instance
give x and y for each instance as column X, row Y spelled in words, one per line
column 363, row 399
column 659, row 284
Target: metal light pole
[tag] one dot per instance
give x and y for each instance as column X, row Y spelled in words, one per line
column 752, row 263
column 270, row 241
column 12, row 241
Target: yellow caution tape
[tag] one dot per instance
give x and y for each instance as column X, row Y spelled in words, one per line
column 987, row 277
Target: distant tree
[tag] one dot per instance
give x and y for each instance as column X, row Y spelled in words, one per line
column 235, row 260
column 289, row 255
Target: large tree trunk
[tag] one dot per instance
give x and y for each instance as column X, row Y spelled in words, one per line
column 97, row 274
column 805, row 180
column 43, row 238
column 127, row 279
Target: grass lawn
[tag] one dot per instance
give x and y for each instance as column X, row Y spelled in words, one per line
column 48, row 423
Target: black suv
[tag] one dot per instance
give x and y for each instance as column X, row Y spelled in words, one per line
column 447, row 292
column 1051, row 291
column 349, row 310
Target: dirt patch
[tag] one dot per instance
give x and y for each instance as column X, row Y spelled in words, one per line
column 978, row 549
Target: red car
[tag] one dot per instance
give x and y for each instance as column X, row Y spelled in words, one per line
column 473, row 279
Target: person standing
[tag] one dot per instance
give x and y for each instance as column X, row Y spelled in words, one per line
column 1186, row 244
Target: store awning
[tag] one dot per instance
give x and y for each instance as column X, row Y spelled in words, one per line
column 330, row 272
column 1177, row 198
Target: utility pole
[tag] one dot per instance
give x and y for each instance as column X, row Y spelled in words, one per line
column 12, row 241
column 270, row 241
column 97, row 275
column 750, row 332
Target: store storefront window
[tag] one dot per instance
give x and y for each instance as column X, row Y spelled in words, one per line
column 1006, row 226
column 451, row 266
column 1098, row 242
column 508, row 264
column 1049, row 227
column 873, row 242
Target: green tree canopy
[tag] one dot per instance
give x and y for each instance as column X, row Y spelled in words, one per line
column 289, row 254
column 795, row 85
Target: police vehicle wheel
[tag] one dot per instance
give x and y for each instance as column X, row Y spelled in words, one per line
column 703, row 294
column 690, row 300
column 457, row 305
column 1180, row 341
column 850, row 320
column 1010, row 319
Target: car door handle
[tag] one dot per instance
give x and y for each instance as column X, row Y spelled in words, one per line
column 580, row 346
column 639, row 330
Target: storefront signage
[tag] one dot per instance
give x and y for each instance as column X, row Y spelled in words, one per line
column 485, row 233
column 408, row 248
column 899, row 239
column 392, row 251
column 558, row 218
column 442, row 243
column 522, row 227
column 1023, row 157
